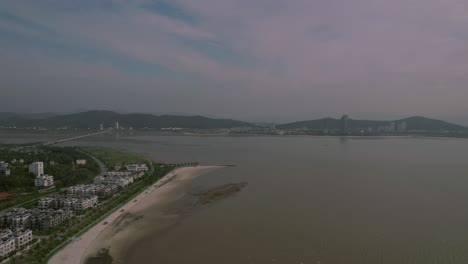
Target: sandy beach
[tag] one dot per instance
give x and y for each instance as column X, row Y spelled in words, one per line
column 112, row 233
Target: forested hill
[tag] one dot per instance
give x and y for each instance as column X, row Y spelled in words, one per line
column 412, row 123
column 92, row 119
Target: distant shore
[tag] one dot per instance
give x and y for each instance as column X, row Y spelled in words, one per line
column 112, row 232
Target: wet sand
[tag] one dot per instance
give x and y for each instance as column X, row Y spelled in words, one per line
column 106, row 241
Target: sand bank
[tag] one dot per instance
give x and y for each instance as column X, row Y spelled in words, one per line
column 113, row 232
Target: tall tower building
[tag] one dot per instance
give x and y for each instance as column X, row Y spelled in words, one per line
column 37, row 168
column 345, row 123
column 116, row 125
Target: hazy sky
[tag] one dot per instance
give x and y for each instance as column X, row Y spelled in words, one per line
column 274, row 60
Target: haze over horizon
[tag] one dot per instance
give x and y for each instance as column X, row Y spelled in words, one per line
column 266, row 60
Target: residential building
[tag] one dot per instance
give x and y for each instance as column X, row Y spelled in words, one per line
column 46, row 219
column 120, row 178
column 7, row 246
column 23, row 237
column 10, row 241
column 44, row 181
column 47, row 202
column 99, row 189
column 35, row 219
column 37, row 168
column 15, row 218
column 136, row 167
column 76, row 203
column 85, row 203
column 80, row 162
column 4, row 169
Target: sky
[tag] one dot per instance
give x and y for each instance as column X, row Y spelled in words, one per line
column 262, row 60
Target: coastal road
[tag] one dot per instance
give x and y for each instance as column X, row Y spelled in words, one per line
column 102, row 166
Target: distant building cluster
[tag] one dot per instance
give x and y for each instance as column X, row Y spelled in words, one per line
column 393, row 127
column 10, row 241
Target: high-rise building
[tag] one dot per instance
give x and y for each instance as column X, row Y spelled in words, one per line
column 401, row 127
column 116, row 125
column 392, row 127
column 37, row 168
column 345, row 123
column 101, row 127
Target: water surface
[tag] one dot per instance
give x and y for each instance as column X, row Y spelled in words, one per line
column 316, row 200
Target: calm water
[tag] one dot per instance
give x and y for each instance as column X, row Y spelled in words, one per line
column 317, row 200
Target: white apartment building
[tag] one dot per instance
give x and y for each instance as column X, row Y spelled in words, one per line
column 136, row 167
column 23, row 237
column 44, row 181
column 80, row 204
column 37, row 168
column 10, row 241
column 86, row 203
column 7, row 246
column 46, row 203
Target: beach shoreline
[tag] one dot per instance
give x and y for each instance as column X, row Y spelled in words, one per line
column 103, row 234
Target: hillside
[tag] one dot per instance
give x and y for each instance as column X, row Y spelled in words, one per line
column 413, row 123
column 92, row 119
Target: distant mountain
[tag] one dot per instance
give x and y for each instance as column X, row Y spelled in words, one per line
column 4, row 115
column 92, row 119
column 412, row 123
column 422, row 123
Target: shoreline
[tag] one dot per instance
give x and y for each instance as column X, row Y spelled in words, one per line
column 90, row 242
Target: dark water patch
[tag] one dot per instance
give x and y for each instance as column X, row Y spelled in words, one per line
column 219, row 192
column 102, row 257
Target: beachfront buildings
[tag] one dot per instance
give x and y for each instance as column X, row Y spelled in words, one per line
column 35, row 219
column 46, row 219
column 37, row 168
column 22, row 237
column 136, row 167
column 44, row 181
column 102, row 191
column 10, row 241
column 121, row 179
column 74, row 204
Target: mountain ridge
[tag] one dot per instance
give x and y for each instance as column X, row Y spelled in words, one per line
column 92, row 119
column 412, row 123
